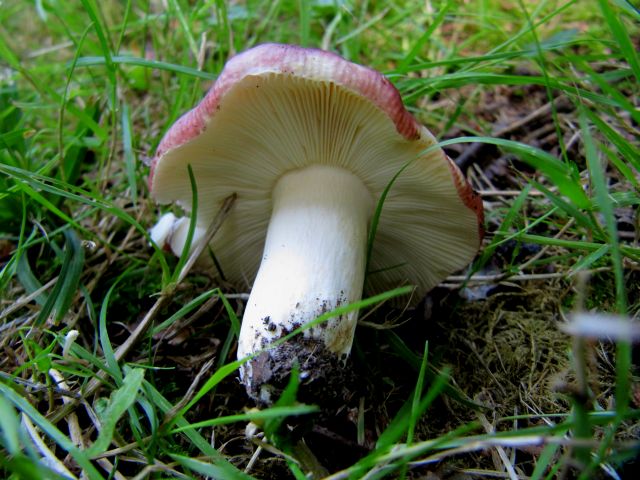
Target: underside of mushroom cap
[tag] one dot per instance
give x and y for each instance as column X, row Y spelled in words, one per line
column 279, row 108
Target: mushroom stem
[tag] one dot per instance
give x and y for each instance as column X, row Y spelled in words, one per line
column 313, row 261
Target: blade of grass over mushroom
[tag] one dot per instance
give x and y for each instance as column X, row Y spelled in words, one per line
column 375, row 218
column 228, row 369
column 51, row 431
column 186, row 251
column 146, row 63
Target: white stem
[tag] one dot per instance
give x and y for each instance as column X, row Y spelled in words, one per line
column 313, row 262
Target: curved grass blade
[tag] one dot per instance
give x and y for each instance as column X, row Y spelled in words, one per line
column 65, row 289
column 143, row 62
column 120, row 401
column 52, row 431
column 218, row 471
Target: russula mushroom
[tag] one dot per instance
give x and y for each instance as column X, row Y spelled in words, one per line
column 309, row 141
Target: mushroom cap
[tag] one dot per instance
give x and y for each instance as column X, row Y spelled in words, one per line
column 276, row 108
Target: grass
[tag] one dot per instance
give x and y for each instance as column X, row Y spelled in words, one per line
column 538, row 101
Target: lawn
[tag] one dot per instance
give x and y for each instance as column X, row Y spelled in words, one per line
column 118, row 362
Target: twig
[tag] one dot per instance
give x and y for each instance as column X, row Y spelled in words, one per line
column 75, row 432
column 500, row 449
column 455, row 281
column 22, row 301
column 40, row 387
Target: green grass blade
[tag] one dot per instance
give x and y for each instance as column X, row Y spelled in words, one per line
column 121, row 400
column 424, row 38
column 9, row 427
column 185, row 25
column 590, row 259
column 415, row 404
column 192, row 435
column 563, row 175
column 66, row 287
column 103, row 39
column 218, row 471
column 107, row 349
column 305, row 22
column 146, row 63
column 258, row 416
column 29, row 281
column 186, row 250
column 185, row 310
column 129, row 157
column 400, row 424
column 621, row 36
column 51, row 431
column 596, row 170
column 630, row 151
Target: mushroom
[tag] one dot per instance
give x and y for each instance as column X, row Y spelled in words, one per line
column 170, row 233
column 309, row 141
